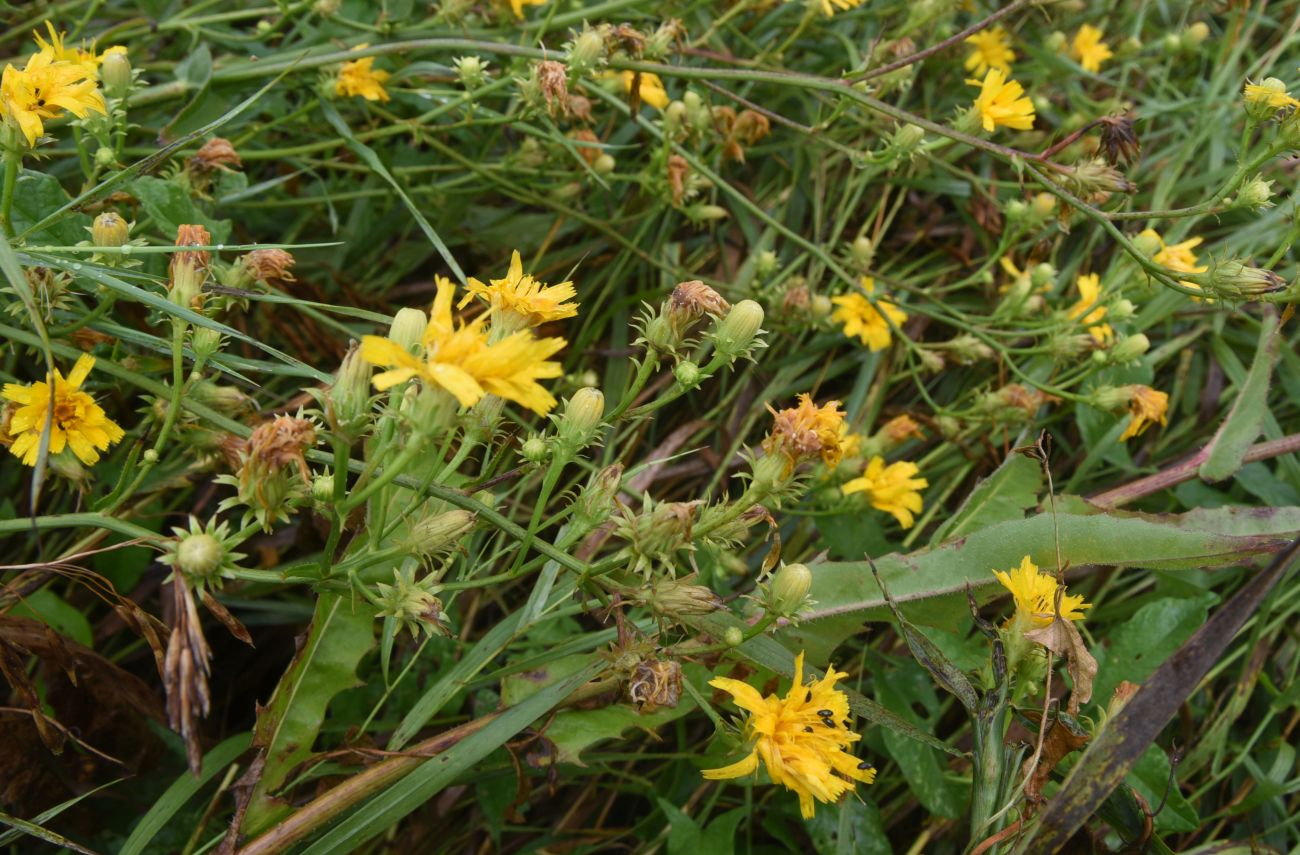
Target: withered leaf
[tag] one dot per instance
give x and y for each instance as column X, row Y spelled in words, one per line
column 1059, row 742
column 1062, row 638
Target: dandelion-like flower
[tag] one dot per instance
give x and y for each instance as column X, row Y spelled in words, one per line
column 860, row 318
column 1002, row 102
column 1146, row 406
column 1270, row 94
column 800, row 738
column 1088, row 308
column 44, row 88
column 1088, row 49
column 650, row 90
column 807, row 431
column 360, row 77
column 830, row 7
column 459, row 359
column 990, row 49
column 893, row 489
column 78, row 422
column 520, row 294
column 1178, row 257
column 1035, row 596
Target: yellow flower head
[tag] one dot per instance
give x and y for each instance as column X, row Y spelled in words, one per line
column 807, row 431
column 517, row 6
column 830, row 7
column 859, row 318
column 529, row 300
column 1088, row 49
column 891, row 489
column 459, row 358
column 78, row 422
column 1002, row 102
column 43, row 89
column 1270, row 94
column 360, row 77
column 1035, row 596
column 800, row 738
column 1147, row 406
column 990, row 49
column 1178, row 257
column 650, row 90
column 1087, row 307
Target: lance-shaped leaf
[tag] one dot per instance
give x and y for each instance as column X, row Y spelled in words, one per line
column 1245, row 420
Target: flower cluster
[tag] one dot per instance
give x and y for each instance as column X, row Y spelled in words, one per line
column 55, row 79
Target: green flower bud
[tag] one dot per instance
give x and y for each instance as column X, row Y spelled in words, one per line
column 1130, row 349
column 862, row 251
column 585, row 52
column 347, row 404
column 408, row 329
column 105, row 157
column 821, row 306
column 1195, row 35
column 733, row 637
column 115, row 72
column 205, row 342
column 1255, row 194
column 605, row 164
column 439, row 533
column 687, row 374
column 789, row 590
column 199, row 555
column 1121, row 310
column 224, row 399
column 1042, row 274
column 322, row 490
column 596, row 501
column 535, row 449
column 1147, row 244
column 471, row 70
column 582, row 414
column 676, row 597
column 766, row 263
column 1043, row 204
column 734, row 334
column 1235, row 280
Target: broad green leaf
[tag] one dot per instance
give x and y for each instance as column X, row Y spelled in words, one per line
column 683, row 831
column 1005, row 495
column 37, row 194
column 416, row 788
column 171, row 206
column 851, row 827
column 1151, row 778
column 342, row 632
column 920, row 764
column 181, row 791
column 1245, row 420
column 51, row 609
column 1137, row 647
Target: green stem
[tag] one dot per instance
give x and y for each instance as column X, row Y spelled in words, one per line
column 12, row 159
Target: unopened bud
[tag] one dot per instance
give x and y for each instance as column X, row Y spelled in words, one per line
column 1042, row 275
column 687, row 374
column 862, row 251
column 471, row 71
column 675, row 597
column 199, row 555
column 733, row 336
column 1148, row 243
column 968, row 349
column 439, row 533
column 322, row 490
column 534, row 449
column 789, row 590
column 930, row 360
column 1043, row 204
column 1130, row 349
column 1196, row 34
column 604, row 164
column 223, row 399
column 1121, row 310
column 115, row 72
column 582, row 415
column 348, row 405
column 733, row 637
column 821, row 306
column 585, row 52
column 1056, row 42
column 408, row 329
column 766, row 263
column 1255, row 194
column 109, row 229
column 1234, row 279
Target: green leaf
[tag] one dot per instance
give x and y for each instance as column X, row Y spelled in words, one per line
column 1245, row 420
column 171, row 206
column 1005, row 495
column 684, row 832
column 1151, row 778
column 181, row 791
column 1138, row 646
column 426, row 780
column 37, row 195
column 342, row 632
column 919, row 763
column 32, row 829
column 852, row 826
column 51, row 609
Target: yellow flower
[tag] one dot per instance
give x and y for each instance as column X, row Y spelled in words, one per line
column 1089, row 291
column 360, row 77
column 1271, row 94
column 519, row 293
column 866, row 321
column 78, row 422
column 517, row 6
column 651, row 89
column 891, row 489
column 459, row 358
column 1035, row 596
column 830, row 7
column 990, row 49
column 808, row 430
column 800, row 738
column 1179, row 257
column 43, row 89
column 1002, row 102
column 1147, row 407
column 1088, row 49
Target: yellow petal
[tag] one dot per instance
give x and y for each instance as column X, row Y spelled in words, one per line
column 746, row 766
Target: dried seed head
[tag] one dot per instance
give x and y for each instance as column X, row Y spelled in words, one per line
column 1119, row 140
column 216, row 153
column 554, row 81
column 268, row 265
column 655, row 683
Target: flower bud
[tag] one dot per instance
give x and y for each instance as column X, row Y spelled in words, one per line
column 582, row 414
column 789, row 590
column 585, row 52
column 110, row 229
column 439, row 533
column 596, row 501
column 1148, row 243
column 1056, row 42
column 1130, row 349
column 1016, row 210
column 115, row 72
column 1122, row 309
column 1234, row 280
column 408, row 329
column 862, row 251
column 1255, row 194
column 675, row 597
column 1111, row 398
column 410, row 604
column 1042, row 275
column 1065, row 347
column 930, row 361
column 733, row 637
column 199, row 555
column 1196, row 34
column 687, row 374
column 347, row 405
column 968, row 349
column 322, row 490
column 604, row 164
column 1043, row 204
column 821, row 306
column 908, row 137
column 733, row 336
column 703, row 213
column 766, row 263
column 189, row 268
column 534, row 450
column 471, row 70
column 105, row 157
column 224, row 399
